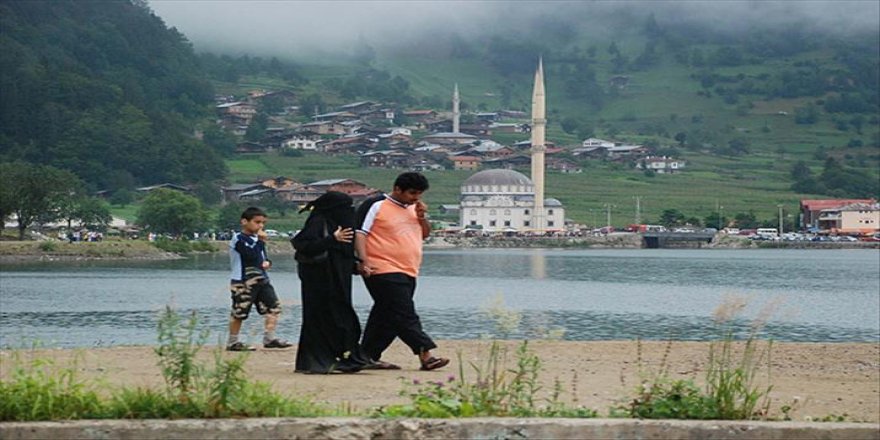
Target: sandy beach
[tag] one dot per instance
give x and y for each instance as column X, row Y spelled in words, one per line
column 816, row 379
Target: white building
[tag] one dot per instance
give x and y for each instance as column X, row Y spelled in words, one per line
column 661, row 165
column 502, row 201
column 300, row 143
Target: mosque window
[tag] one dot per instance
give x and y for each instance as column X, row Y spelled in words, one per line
column 506, row 222
column 491, row 222
column 473, row 212
column 491, row 212
column 527, row 223
column 473, row 222
column 506, row 212
column 550, row 223
column 527, row 212
column 549, row 212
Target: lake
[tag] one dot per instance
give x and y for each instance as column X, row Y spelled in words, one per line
column 815, row 295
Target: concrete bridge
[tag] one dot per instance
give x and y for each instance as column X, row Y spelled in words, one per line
column 655, row 240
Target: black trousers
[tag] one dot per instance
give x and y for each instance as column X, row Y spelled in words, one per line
column 393, row 315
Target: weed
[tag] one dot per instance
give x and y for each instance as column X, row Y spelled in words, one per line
column 496, row 392
column 730, row 391
column 48, row 246
column 37, row 391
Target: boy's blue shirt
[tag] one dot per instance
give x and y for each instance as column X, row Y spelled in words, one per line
column 246, row 256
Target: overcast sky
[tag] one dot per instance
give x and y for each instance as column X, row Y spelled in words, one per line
column 290, row 28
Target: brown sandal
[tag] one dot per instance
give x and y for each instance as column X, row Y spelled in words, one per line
column 433, row 363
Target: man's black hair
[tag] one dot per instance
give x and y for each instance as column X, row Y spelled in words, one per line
column 252, row 212
column 411, row 180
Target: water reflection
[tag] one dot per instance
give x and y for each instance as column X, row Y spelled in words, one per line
column 538, row 264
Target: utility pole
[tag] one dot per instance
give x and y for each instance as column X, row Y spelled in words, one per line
column 608, row 207
column 638, row 210
column 780, row 220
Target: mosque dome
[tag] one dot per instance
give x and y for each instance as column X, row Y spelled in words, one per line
column 499, row 182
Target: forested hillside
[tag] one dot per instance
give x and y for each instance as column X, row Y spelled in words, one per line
column 105, row 90
column 795, row 103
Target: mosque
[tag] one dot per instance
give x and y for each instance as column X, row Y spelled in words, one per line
column 505, row 200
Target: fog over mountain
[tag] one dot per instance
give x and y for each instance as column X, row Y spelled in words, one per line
column 291, row 28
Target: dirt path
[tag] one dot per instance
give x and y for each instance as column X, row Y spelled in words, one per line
column 823, row 378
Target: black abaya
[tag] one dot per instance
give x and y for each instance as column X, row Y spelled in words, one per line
column 330, row 331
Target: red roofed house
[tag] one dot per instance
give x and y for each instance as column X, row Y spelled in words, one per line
column 811, row 210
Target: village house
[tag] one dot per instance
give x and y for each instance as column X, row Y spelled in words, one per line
column 489, row 149
column 449, row 138
column 279, row 182
column 233, row 192
column 359, row 107
column 349, row 144
column 298, row 195
column 441, row 125
column 487, row 116
column 813, row 219
column 334, row 117
column 593, row 142
column 661, row 165
column 465, row 162
column 506, row 127
column 479, row 128
column 250, row 147
column 233, row 114
column 324, row 127
column 514, row 114
column 340, row 185
column 301, row 143
column 527, row 144
column 509, row 162
column 420, row 115
column 174, row 186
column 563, row 165
column 394, row 159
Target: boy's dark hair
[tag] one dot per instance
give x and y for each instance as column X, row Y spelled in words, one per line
column 252, row 212
column 411, row 180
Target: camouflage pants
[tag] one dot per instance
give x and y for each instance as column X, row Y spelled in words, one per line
column 255, row 290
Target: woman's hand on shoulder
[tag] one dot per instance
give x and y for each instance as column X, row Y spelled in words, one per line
column 343, row 235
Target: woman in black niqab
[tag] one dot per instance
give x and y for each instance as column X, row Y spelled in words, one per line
column 330, row 334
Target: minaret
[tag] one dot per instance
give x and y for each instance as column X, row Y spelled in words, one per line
column 539, row 123
column 456, row 113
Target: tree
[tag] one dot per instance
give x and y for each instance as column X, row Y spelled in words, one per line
column 681, row 138
column 121, row 197
column 745, row 220
column 230, row 215
column 91, row 212
column 800, row 171
column 257, row 129
column 671, row 217
column 738, row 146
column 166, row 211
column 33, row 192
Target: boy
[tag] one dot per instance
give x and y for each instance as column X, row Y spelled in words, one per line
column 250, row 281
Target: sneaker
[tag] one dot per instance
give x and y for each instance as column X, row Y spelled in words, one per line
column 239, row 346
column 277, row 343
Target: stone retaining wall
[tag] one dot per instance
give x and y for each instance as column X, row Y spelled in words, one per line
column 481, row 428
